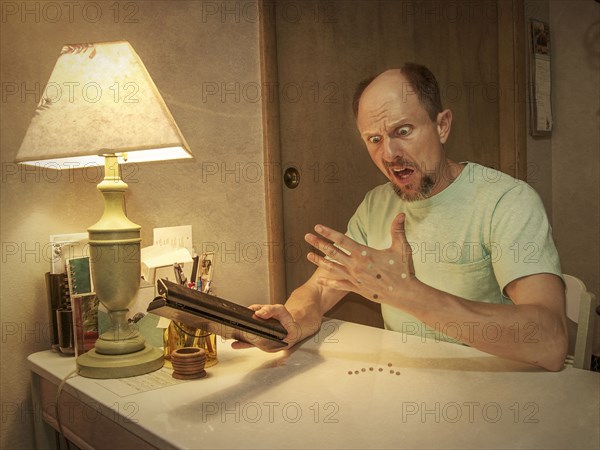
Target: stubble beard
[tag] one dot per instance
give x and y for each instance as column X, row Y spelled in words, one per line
column 427, row 184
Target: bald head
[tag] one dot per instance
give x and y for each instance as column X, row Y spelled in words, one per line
column 410, row 78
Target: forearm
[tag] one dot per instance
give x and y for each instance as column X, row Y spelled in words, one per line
column 308, row 304
column 528, row 333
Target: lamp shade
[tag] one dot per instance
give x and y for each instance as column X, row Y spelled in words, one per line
column 100, row 100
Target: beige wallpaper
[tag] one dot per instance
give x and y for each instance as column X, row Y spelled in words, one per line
column 575, row 142
column 576, row 138
column 206, row 65
column 564, row 168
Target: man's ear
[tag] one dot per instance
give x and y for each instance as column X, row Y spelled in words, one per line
column 444, row 124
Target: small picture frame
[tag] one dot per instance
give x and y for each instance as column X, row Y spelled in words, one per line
column 540, row 79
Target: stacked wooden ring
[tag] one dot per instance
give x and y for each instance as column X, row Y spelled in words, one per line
column 188, row 363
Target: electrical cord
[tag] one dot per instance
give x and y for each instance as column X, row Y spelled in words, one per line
column 57, row 405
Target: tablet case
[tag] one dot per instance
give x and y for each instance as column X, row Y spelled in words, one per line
column 216, row 315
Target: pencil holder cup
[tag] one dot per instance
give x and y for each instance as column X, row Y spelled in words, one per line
column 188, row 363
column 178, row 335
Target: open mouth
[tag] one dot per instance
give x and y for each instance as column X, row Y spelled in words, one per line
column 402, row 175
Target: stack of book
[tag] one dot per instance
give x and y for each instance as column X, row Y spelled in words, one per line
column 72, row 303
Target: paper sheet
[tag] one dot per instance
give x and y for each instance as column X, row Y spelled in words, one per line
column 176, row 237
column 143, row 383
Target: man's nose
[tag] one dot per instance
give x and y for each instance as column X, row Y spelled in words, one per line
column 391, row 149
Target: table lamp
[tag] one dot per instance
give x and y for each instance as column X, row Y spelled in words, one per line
column 100, row 107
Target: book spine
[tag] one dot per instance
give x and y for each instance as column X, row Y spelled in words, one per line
column 57, row 293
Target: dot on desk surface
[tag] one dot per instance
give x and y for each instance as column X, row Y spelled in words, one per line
column 371, row 369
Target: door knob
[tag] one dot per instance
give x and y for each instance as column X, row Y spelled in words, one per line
column 291, row 177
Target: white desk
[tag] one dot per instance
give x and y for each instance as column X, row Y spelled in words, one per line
column 445, row 396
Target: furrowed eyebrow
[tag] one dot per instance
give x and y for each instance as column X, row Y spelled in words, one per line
column 391, row 127
column 367, row 134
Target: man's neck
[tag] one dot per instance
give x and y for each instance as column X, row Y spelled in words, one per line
column 449, row 171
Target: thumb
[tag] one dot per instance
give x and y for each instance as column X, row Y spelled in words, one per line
column 398, row 232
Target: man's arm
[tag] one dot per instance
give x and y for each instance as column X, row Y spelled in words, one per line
column 532, row 330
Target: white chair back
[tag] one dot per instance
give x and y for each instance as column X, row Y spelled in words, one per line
column 580, row 309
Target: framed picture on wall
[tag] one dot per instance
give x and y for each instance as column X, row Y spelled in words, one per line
column 540, row 79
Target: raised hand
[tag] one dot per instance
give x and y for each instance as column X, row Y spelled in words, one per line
column 379, row 275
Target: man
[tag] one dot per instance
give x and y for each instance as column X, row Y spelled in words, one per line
column 452, row 251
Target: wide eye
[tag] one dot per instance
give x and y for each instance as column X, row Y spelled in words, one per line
column 374, row 139
column 404, row 130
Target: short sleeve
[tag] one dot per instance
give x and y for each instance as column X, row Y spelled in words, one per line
column 520, row 240
column 357, row 229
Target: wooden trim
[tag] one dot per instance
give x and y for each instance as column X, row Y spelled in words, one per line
column 512, row 87
column 272, row 153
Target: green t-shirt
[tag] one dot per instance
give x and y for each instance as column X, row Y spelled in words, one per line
column 483, row 231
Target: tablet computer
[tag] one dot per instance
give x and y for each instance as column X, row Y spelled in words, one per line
column 216, row 315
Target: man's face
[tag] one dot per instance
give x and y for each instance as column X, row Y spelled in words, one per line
column 402, row 140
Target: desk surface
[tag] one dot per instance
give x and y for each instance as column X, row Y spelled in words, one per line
column 338, row 389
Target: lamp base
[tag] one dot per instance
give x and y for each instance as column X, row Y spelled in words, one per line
column 96, row 365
